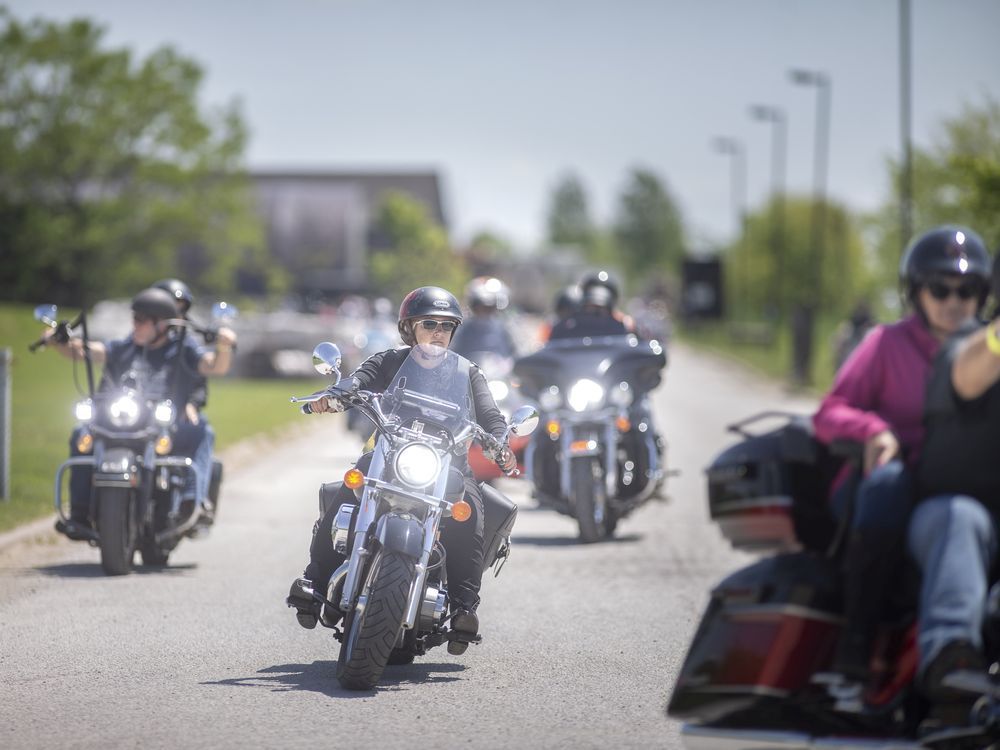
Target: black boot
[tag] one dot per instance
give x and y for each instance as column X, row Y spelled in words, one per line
column 300, row 597
column 79, row 530
column 465, row 623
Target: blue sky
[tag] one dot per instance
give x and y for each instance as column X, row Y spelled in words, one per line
column 503, row 98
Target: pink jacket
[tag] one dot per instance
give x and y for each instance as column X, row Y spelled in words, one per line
column 881, row 386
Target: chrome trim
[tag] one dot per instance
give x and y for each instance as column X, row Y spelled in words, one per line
column 342, row 527
column 416, row 596
column 60, row 470
column 331, row 588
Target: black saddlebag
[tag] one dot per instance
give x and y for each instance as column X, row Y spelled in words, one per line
column 498, row 522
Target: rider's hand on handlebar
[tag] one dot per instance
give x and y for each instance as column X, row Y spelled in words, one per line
column 225, row 338
column 507, row 461
column 880, row 449
column 327, row 404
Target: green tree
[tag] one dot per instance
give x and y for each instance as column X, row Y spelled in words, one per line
column 111, row 176
column 956, row 180
column 648, row 229
column 569, row 221
column 414, row 250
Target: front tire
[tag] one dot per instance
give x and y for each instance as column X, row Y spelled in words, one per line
column 116, row 524
column 589, row 500
column 372, row 628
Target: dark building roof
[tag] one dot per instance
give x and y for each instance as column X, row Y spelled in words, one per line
column 319, row 224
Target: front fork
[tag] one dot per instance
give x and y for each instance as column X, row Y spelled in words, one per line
column 585, row 441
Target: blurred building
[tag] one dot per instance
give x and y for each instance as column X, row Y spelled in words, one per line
column 319, row 225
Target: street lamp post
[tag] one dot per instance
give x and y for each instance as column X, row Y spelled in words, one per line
column 905, row 111
column 779, row 128
column 803, row 323
column 733, row 148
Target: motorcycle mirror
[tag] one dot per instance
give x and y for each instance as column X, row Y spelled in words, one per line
column 223, row 311
column 524, row 420
column 47, row 314
column 326, row 360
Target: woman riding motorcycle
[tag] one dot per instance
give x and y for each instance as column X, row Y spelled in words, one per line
column 428, row 318
column 878, row 400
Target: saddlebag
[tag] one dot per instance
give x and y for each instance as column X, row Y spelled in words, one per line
column 766, row 630
column 499, row 514
column 768, row 493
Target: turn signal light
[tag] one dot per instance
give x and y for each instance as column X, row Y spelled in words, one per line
column 354, row 479
column 623, row 424
column 461, row 511
column 552, row 428
column 85, row 442
column 163, row 445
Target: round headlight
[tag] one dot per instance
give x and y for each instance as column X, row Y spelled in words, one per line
column 585, row 394
column 164, row 413
column 124, row 412
column 417, row 465
column 550, row 398
column 85, row 410
column 499, row 389
column 621, row 395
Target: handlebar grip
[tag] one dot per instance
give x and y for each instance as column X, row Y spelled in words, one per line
column 36, row 345
column 306, row 409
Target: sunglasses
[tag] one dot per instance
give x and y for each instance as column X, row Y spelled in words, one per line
column 432, row 325
column 939, row 290
column 140, row 318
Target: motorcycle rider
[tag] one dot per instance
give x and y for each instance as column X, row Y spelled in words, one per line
column 953, row 532
column 877, row 399
column 160, row 359
column 485, row 331
column 597, row 314
column 428, row 317
column 198, row 400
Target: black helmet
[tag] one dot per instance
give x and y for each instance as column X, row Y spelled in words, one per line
column 567, row 301
column 487, row 291
column 178, row 290
column 946, row 249
column 425, row 302
column 155, row 303
column 599, row 279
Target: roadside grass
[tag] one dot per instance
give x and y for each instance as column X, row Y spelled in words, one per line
column 43, row 394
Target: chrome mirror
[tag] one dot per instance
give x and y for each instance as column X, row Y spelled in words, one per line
column 223, row 311
column 326, row 360
column 47, row 314
column 524, row 420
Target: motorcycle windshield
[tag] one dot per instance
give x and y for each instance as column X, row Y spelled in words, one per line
column 432, row 385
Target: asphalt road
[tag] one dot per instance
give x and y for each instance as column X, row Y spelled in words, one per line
column 581, row 643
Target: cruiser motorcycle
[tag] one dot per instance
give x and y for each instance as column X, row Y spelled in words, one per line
column 124, row 436
column 392, row 590
column 755, row 672
column 599, row 456
column 497, row 370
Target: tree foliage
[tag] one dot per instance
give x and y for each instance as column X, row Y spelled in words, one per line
column 648, row 230
column 110, row 174
column 956, row 180
column 569, row 221
column 415, row 250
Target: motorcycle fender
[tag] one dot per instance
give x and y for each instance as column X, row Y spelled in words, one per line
column 400, row 534
column 117, row 467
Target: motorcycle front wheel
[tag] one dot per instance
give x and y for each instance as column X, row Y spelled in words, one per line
column 589, row 499
column 116, row 523
column 372, row 628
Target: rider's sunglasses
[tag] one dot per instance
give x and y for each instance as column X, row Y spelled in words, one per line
column 432, row 325
column 940, row 290
column 139, row 318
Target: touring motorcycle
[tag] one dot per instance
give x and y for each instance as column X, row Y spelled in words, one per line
column 392, row 590
column 754, row 675
column 599, row 456
column 497, row 369
column 124, row 437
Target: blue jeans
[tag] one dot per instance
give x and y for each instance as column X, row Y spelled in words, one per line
column 954, row 541
column 193, row 441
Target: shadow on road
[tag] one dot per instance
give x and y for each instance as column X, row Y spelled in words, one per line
column 570, row 541
column 94, row 570
column 320, row 677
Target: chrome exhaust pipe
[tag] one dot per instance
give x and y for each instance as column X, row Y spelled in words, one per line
column 336, row 581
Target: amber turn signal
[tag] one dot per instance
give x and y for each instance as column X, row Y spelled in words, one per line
column 85, row 442
column 623, row 424
column 461, row 511
column 163, row 445
column 354, row 479
column 552, row 428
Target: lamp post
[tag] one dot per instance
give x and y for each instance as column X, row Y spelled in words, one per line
column 905, row 111
column 804, row 318
column 733, row 148
column 779, row 128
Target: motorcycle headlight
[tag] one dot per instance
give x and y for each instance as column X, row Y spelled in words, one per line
column 164, row 413
column 550, row 398
column 585, row 394
column 124, row 412
column 499, row 389
column 417, row 465
column 621, row 395
column 84, row 410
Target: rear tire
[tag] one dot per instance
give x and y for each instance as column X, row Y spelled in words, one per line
column 152, row 555
column 116, row 524
column 589, row 500
column 372, row 628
